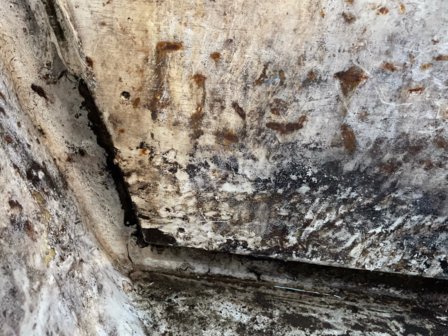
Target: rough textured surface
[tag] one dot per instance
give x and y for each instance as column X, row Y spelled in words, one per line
column 311, row 130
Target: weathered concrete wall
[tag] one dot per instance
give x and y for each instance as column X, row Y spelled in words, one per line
column 306, row 130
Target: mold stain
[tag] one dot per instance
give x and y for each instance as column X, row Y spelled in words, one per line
column 198, row 115
column 163, row 48
column 350, row 79
column 348, row 138
column 388, row 66
column 287, row 128
column 215, row 56
column 349, row 18
column 263, row 76
column 239, row 110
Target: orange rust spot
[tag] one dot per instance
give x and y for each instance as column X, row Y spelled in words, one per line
column 239, row 110
column 287, row 128
column 389, row 67
column 416, row 90
column 350, row 79
column 348, row 17
column 199, row 79
column 89, row 61
column 426, row 66
column 168, row 46
column 402, row 8
column 216, row 56
column 348, row 138
column 441, row 58
column 382, row 11
column 143, row 151
column 136, row 102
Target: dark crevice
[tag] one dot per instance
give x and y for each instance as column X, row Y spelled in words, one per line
column 50, row 8
column 104, row 140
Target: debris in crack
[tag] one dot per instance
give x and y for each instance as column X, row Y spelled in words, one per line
column 105, row 141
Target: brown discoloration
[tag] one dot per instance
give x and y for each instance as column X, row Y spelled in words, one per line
column 350, row 2
column 239, row 110
column 260, row 80
column 350, row 79
column 13, row 204
column 121, row 130
column 426, row 66
column 168, row 46
column 279, row 106
column 388, row 66
column 216, row 56
column 136, row 102
column 402, row 8
column 382, row 10
column 311, row 75
column 348, row 138
column 89, row 61
column 348, row 17
column 390, row 167
column 198, row 115
column 163, row 48
column 39, row 90
column 8, row 139
column 416, row 90
column 287, row 128
column 282, row 76
column 322, row 13
column 228, row 136
column 441, row 142
column 441, row 58
column 29, row 230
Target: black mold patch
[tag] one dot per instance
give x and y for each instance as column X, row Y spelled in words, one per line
column 156, row 236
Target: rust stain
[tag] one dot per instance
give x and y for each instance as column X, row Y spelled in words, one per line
column 89, row 61
column 287, row 128
column 216, row 56
column 382, row 10
column 389, row 67
column 348, row 138
column 239, row 110
column 282, row 76
column 228, row 136
column 198, row 115
column 348, row 17
column 416, row 90
column 350, row 79
column 402, row 8
column 426, row 66
column 136, row 102
column 441, row 142
column 260, row 80
column 163, row 48
column 121, row 130
column 279, row 106
column 441, row 58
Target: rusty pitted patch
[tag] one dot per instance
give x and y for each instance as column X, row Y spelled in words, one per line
column 350, row 79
